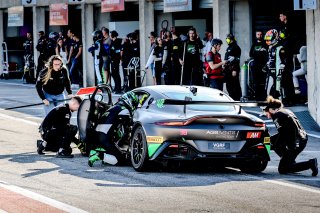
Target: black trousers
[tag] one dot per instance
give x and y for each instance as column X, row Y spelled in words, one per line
column 233, row 87
column 115, row 72
column 60, row 138
column 288, row 156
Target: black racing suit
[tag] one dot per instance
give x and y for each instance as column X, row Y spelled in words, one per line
column 103, row 136
column 232, row 82
column 56, row 129
column 290, row 140
column 259, row 53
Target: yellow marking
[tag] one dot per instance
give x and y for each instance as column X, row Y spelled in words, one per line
column 154, row 139
column 267, row 140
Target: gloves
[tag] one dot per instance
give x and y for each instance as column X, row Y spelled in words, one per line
column 205, row 75
column 282, row 66
column 230, row 59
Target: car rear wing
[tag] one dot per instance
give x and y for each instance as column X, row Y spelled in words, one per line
column 233, row 103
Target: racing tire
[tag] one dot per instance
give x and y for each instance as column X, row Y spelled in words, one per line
column 139, row 150
column 254, row 166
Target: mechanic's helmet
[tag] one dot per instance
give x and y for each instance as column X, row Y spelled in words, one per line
column 216, row 41
column 54, row 36
column 96, row 35
column 271, row 37
column 130, row 99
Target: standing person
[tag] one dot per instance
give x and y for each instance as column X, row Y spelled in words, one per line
column 176, row 49
column 69, row 44
column 190, row 59
column 290, row 140
column 105, row 53
column 52, row 82
column 42, row 48
column 232, row 69
column 28, row 73
column 57, row 132
column 159, row 57
column 214, row 68
column 95, row 51
column 126, row 55
column 167, row 66
column 61, row 50
column 302, row 58
column 259, row 53
column 135, row 50
column 76, row 62
column 52, row 43
column 115, row 60
column 150, row 62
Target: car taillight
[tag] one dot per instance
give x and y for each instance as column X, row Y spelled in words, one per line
column 259, row 124
column 171, row 123
column 251, row 135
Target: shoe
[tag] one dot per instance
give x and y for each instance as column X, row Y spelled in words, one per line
column 314, row 167
column 82, row 148
column 110, row 159
column 40, row 147
column 64, row 154
column 93, row 157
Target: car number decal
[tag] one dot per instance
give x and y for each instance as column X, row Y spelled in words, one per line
column 154, row 139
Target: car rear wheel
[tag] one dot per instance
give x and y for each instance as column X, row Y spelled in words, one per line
column 139, row 150
column 254, row 166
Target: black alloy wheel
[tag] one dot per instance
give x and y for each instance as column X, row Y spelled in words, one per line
column 139, row 150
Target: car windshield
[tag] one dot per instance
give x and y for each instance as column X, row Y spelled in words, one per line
column 203, row 95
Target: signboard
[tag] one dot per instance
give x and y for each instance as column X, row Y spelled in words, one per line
column 29, row 2
column 58, row 14
column 15, row 16
column 177, row 5
column 305, row 4
column 76, row 1
column 112, row 5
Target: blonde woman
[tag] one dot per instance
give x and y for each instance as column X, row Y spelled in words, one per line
column 52, row 82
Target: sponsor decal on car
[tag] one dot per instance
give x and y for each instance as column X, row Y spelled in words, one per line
column 183, row 132
column 266, row 142
column 253, row 134
column 154, row 139
column 160, row 103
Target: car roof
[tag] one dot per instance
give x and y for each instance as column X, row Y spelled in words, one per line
column 165, row 89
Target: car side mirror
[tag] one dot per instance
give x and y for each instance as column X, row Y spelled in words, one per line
column 150, row 102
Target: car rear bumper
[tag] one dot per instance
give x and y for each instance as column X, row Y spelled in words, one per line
column 184, row 151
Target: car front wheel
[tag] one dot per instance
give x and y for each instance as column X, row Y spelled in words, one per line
column 139, row 150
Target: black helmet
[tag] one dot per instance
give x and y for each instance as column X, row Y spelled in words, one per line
column 113, row 34
column 96, row 35
column 216, row 41
column 130, row 99
column 54, row 36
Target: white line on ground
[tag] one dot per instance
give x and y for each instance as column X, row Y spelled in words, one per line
column 40, row 198
column 282, row 183
column 19, row 119
column 2, row 211
column 17, row 84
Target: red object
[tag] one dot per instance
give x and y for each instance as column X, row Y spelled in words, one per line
column 253, row 134
column 86, row 91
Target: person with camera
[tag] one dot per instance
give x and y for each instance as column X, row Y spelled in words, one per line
column 290, row 140
column 51, row 83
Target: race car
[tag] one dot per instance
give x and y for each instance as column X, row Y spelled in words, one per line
column 181, row 123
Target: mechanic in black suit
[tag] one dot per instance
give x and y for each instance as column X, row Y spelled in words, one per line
column 290, row 140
